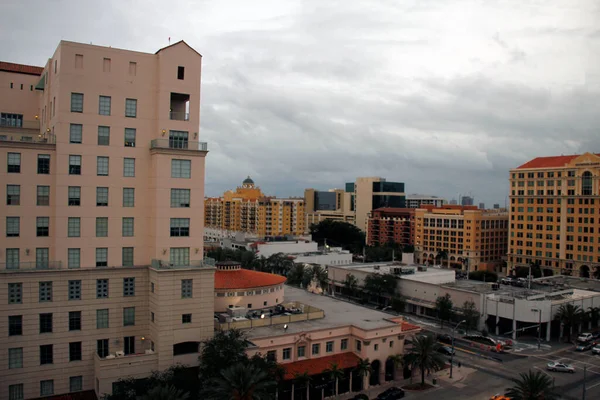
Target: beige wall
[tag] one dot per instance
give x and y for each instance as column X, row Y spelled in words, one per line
column 223, row 301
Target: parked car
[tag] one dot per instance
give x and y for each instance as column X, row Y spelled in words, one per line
column 392, row 393
column 444, row 338
column 596, row 349
column 507, row 280
column 584, row 346
column 585, row 337
column 360, row 396
column 446, row 350
column 560, row 367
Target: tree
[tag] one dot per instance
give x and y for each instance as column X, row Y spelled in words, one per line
column 442, row 255
column 165, row 393
column 224, row 349
column 470, row 315
column 296, row 274
column 594, row 313
column 425, row 356
column 569, row 315
column 350, row 284
column 279, row 263
column 240, row 382
column 338, row 233
column 397, row 359
column 335, row 374
column 303, row 380
column 398, row 303
column 319, row 274
column 409, row 248
column 363, row 369
column 381, row 285
column 532, row 386
column 443, row 307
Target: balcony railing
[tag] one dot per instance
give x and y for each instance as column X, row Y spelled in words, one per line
column 31, row 265
column 166, row 264
column 27, row 138
column 178, row 145
column 179, row 116
column 19, row 124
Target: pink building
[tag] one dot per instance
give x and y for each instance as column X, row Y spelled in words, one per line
column 102, row 172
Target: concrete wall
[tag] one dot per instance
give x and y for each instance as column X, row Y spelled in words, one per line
column 239, row 298
column 268, row 249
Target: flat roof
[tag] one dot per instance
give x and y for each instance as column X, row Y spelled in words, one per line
column 388, row 268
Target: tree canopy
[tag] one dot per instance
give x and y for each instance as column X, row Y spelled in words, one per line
column 338, row 233
column 443, row 306
column 470, row 315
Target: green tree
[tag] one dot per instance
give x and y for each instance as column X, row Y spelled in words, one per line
column 594, row 313
column 350, row 285
column 569, row 315
column 165, row 393
column 470, row 315
column 408, row 248
column 379, row 285
column 398, row 303
column 319, row 274
column 363, row 369
column 303, row 380
column 279, row 263
column 443, row 307
column 425, row 356
column 338, row 233
column 442, row 255
column 296, row 274
column 335, row 373
column 398, row 361
column 224, row 349
column 532, row 386
column 240, row 382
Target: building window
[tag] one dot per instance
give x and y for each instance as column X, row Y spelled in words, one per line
column 151, row 316
column 391, row 343
column 129, row 137
column 329, row 347
column 47, row 387
column 316, row 347
column 45, row 291
column 376, row 347
column 13, row 195
column 14, row 120
column 129, row 347
column 15, row 358
column 77, row 102
column 186, row 318
column 15, row 325
column 74, row 195
column 102, row 318
column 152, row 287
column 101, row 196
column 15, row 293
column 75, row 289
column 179, row 256
column 101, row 226
column 129, row 167
column 101, row 257
column 12, row 259
column 74, row 165
column 287, row 353
column 180, row 198
column 128, row 316
column 178, row 139
column 43, row 164
column 180, row 72
column 74, row 227
column 127, row 227
column 13, row 226
column 75, row 133
column 102, row 166
column 128, row 197
column 43, row 195
column 272, row 355
column 127, row 253
column 75, row 351
column 128, row 287
column 75, row 383
column 42, row 258
column 132, row 68
column 104, row 105
column 46, row 323
column 181, row 168
column 14, row 163
column 42, row 227
column 16, row 392
column 106, row 66
column 75, row 320
column 587, row 183
column 102, row 288
column 103, row 136
column 102, row 347
column 180, row 227
column 358, row 345
column 187, row 288
column 301, row 351
column 131, row 108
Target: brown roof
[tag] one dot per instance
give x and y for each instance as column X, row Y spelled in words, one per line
column 20, row 68
column 549, row 162
column 245, row 279
column 314, row 366
column 175, row 44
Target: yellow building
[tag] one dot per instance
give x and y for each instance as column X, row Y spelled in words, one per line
column 554, row 208
column 247, row 209
column 471, row 237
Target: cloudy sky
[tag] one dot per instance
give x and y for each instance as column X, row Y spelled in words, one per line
column 445, row 95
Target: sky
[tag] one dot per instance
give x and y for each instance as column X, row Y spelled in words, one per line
column 444, row 95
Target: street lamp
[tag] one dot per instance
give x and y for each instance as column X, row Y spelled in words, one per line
column 537, row 310
column 452, row 352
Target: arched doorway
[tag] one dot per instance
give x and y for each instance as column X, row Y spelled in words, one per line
column 587, row 183
column 374, row 378
column 584, row 271
column 390, row 370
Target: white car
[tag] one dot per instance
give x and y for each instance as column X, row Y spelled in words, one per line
column 585, row 337
column 560, row 367
column 596, row 349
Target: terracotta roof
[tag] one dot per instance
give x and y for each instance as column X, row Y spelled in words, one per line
column 314, row 366
column 20, row 68
column 549, row 162
column 245, row 279
column 409, row 327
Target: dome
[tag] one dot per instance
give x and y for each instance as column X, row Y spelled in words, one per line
column 248, row 181
column 238, row 278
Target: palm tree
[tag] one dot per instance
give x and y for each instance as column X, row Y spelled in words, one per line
column 425, row 356
column 594, row 313
column 335, row 374
column 240, row 382
column 532, row 386
column 165, row 393
column 569, row 315
column 303, row 379
column 363, row 369
column 350, row 284
column 441, row 255
column 397, row 359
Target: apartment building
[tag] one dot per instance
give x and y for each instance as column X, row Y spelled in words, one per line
column 554, row 214
column 471, row 238
column 103, row 177
column 391, row 225
column 418, row 200
column 247, row 209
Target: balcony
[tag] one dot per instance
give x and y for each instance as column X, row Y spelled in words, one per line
column 177, row 145
column 112, row 368
column 30, row 266
column 194, row 264
column 18, row 124
column 179, row 116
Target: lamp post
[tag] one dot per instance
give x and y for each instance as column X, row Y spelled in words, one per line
column 537, row 310
column 452, row 352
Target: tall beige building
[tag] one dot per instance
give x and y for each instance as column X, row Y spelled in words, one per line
column 101, row 271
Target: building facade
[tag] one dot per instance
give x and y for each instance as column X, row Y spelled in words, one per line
column 391, row 225
column 103, row 177
column 418, row 200
column 334, row 204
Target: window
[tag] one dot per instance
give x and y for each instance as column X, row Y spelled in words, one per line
column 102, row 288
column 272, row 355
column 128, row 316
column 42, row 257
column 42, row 227
column 43, row 195
column 46, row 323
column 376, row 347
column 74, row 227
column 106, row 65
column 186, row 288
column 75, row 289
column 179, row 256
column 129, row 137
column 180, row 72
column 128, row 197
column 178, row 139
column 101, row 257
column 47, row 387
column 180, row 227
column 102, row 347
column 316, row 347
column 15, row 120
column 329, row 347
column 102, row 166
column 15, row 293
column 74, row 258
column 16, row 392
column 129, row 167
column 75, row 133
column 15, row 358
column 14, row 163
column 103, row 136
column 75, row 383
column 104, row 105
column 15, row 325
column 74, row 195
column 75, row 351
column 74, row 165
column 181, row 168
column 180, row 198
column 127, row 227
column 287, row 353
column 131, row 108
column 127, row 254
column 13, row 195
column 43, row 164
column 301, row 351
column 74, row 320
column 101, row 227
column 45, row 291
column 102, row 318
column 151, row 316
column 587, row 183
column 12, row 259
column 101, row 196
column 391, row 343
column 152, row 287
column 77, row 101
column 186, row 318
column 132, row 68
column 129, row 347
column 13, row 226
column 358, row 345
column 128, row 287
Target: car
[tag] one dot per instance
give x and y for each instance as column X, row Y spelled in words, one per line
column 596, row 349
column 444, row 338
column 507, row 280
column 392, row 393
column 360, row 396
column 585, row 337
column 560, row 367
column 584, row 346
column 446, row 350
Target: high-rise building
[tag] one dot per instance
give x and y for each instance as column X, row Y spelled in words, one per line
column 554, row 214
column 482, row 206
column 466, row 201
column 391, row 225
column 496, row 206
column 247, row 209
column 418, row 200
column 333, row 204
column 103, row 177
column 453, row 202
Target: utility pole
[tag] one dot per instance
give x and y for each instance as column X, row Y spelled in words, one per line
column 584, row 373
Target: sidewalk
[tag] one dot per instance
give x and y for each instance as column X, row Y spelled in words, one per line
column 458, row 374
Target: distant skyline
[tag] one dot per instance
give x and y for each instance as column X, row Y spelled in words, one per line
column 444, row 95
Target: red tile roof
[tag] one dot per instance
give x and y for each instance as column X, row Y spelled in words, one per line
column 409, row 327
column 549, row 162
column 316, row 366
column 245, row 279
column 20, row 68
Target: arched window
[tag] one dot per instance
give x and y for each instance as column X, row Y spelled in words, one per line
column 586, row 183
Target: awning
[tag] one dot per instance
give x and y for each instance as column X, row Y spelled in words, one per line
column 318, row 365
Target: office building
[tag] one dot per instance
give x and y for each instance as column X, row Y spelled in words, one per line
column 496, row 206
column 418, row 200
column 391, row 225
column 482, row 206
column 333, row 204
column 466, row 201
column 103, row 177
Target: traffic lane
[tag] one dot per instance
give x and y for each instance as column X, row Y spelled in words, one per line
column 466, row 346
column 578, row 360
